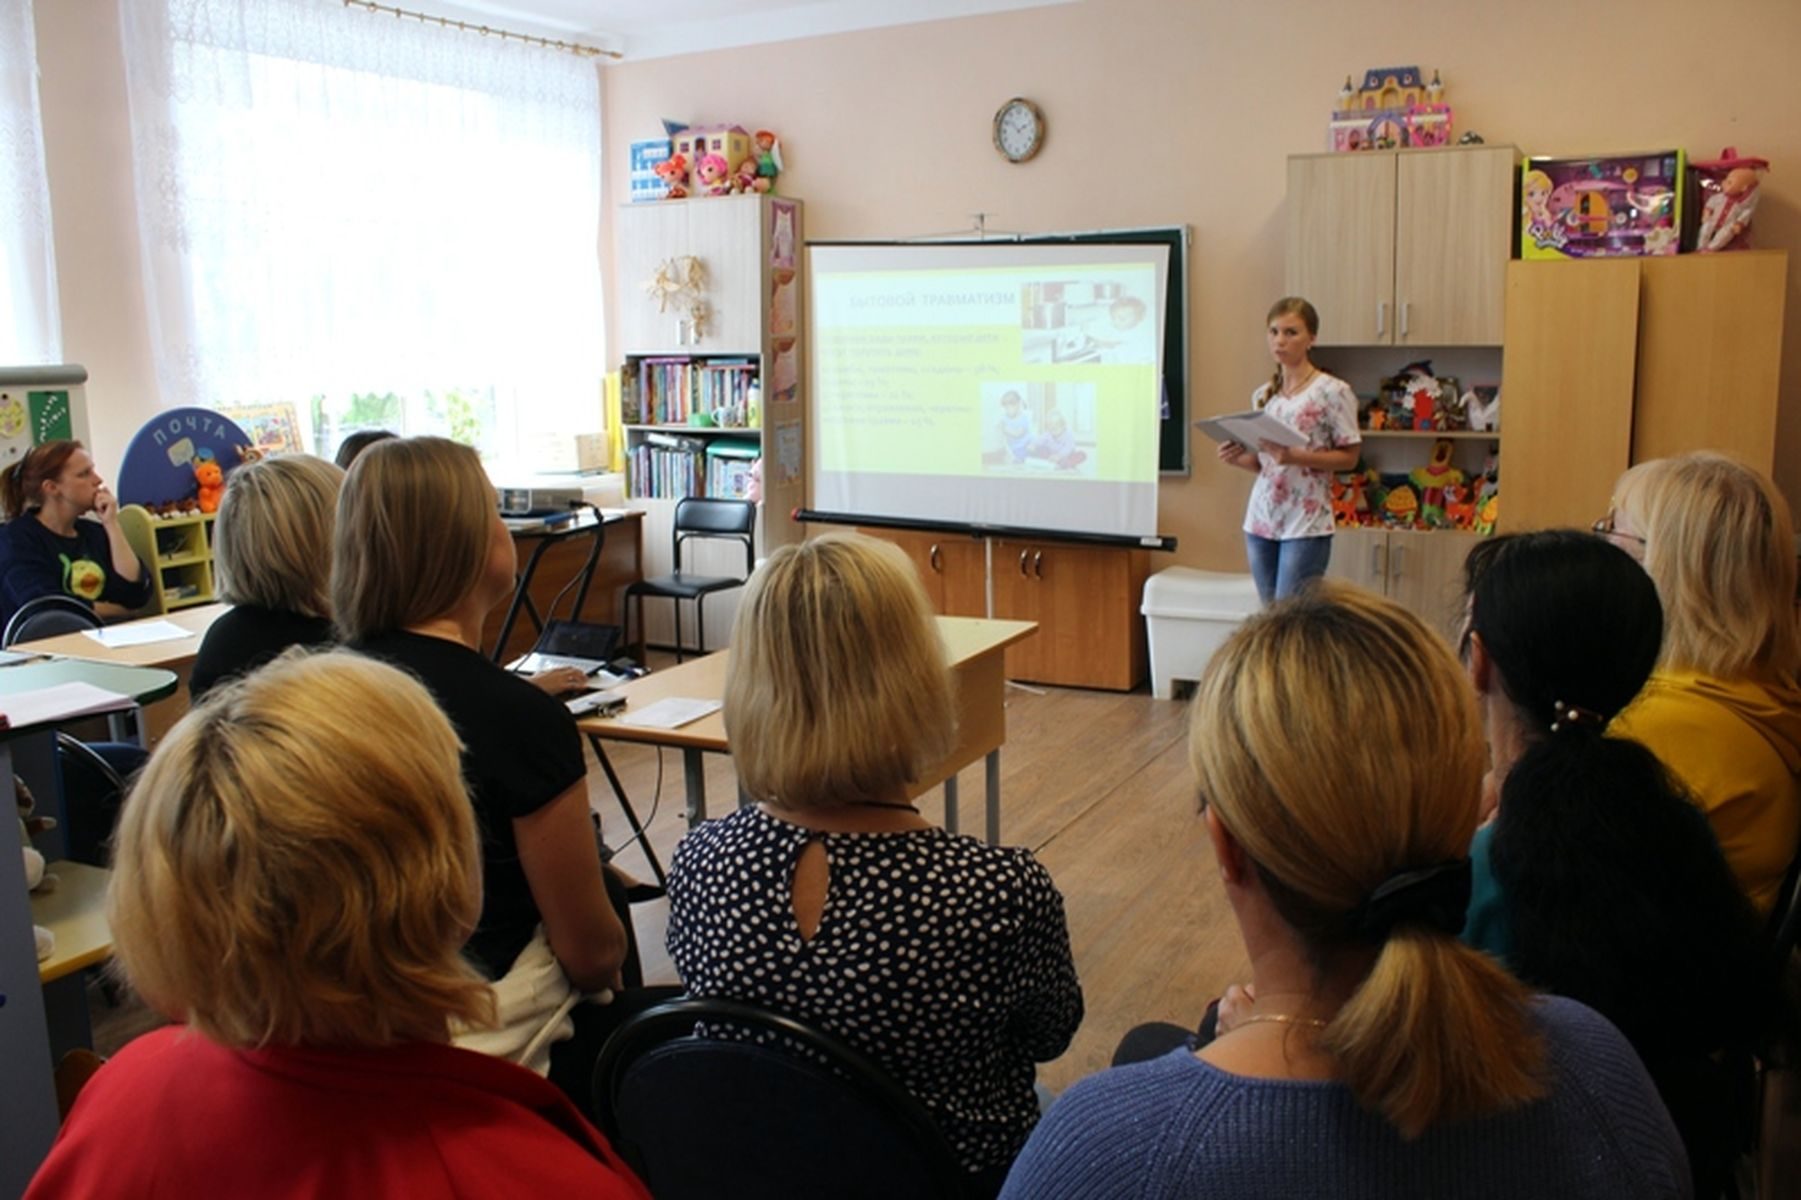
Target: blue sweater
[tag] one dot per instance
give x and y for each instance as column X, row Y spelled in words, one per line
column 1178, row 1127
column 35, row 562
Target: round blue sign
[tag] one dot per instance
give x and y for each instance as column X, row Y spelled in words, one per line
column 160, row 459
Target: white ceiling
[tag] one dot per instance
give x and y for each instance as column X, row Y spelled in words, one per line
column 639, row 29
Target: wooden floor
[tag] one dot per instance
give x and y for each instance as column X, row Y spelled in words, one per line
column 1096, row 784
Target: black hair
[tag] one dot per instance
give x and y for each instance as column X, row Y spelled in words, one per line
column 1616, row 891
column 358, row 442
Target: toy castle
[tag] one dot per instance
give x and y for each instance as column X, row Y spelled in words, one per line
column 1392, row 109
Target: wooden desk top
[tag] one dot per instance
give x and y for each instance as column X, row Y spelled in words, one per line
column 584, row 522
column 75, row 912
column 965, row 639
column 171, row 654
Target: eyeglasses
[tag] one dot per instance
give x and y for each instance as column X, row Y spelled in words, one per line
column 1606, row 528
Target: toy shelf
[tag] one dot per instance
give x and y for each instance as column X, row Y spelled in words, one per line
column 1493, row 435
column 177, row 551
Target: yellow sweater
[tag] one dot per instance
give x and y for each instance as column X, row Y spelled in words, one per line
column 1736, row 746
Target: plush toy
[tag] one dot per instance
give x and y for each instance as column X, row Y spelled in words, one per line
column 248, row 454
column 673, row 171
column 1344, row 502
column 713, row 175
column 1483, row 414
column 746, row 179
column 1402, row 508
column 1730, row 184
column 1460, row 509
column 35, row 878
column 212, row 485
column 769, row 158
column 1488, row 513
column 1432, row 480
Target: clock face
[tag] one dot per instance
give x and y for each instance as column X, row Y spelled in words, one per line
column 1018, row 130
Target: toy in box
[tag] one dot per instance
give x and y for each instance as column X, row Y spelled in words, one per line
column 647, row 184
column 1726, row 188
column 1392, row 109
column 714, row 153
column 1619, row 206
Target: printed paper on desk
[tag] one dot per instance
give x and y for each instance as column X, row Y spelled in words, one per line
column 672, row 713
column 139, row 633
column 1249, row 429
column 60, row 702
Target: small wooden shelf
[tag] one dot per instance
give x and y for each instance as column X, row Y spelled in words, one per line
column 171, row 603
column 178, row 551
column 1434, row 435
column 702, row 430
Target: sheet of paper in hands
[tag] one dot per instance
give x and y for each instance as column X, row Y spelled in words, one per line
column 1249, row 429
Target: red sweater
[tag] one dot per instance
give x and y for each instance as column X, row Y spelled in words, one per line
column 176, row 1115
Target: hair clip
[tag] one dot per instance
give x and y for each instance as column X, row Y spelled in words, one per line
column 1570, row 716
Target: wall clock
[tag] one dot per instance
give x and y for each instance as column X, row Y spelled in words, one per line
column 1018, row 130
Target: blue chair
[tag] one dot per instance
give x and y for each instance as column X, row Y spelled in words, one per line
column 796, row 1114
column 729, row 520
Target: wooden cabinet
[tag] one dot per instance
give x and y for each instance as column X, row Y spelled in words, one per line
column 1085, row 600
column 1422, row 571
column 727, row 235
column 1405, row 247
column 1616, row 361
column 952, row 567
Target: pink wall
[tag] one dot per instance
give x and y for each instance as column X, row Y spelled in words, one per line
column 1180, row 111
column 1160, row 112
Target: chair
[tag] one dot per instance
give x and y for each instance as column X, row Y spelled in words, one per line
column 47, row 616
column 729, row 520
column 806, row 1118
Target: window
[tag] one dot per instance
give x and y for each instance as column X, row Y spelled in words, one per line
column 29, row 330
column 379, row 222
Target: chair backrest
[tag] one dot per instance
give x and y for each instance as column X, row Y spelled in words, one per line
column 47, row 616
column 795, row 1113
column 735, row 520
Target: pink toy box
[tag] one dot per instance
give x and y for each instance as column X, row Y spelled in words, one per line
column 1620, row 206
column 1395, row 107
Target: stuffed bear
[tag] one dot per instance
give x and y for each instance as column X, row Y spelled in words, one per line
column 212, row 485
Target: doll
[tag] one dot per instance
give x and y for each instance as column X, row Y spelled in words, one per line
column 1726, row 215
column 673, row 171
column 713, row 174
column 769, row 157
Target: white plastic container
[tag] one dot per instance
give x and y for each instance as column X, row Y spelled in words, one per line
column 1189, row 615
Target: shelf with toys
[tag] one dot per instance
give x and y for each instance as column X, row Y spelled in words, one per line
column 176, row 543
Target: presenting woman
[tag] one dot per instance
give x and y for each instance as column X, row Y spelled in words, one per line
column 1288, row 525
column 295, row 875
column 832, row 899
column 47, row 550
column 1377, row 1056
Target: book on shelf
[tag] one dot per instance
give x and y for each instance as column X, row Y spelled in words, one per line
column 729, row 464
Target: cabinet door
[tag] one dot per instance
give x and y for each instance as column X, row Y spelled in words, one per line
column 726, row 233
column 1710, row 355
column 918, row 548
column 648, row 235
column 963, row 573
column 1566, row 404
column 1360, row 556
column 1017, row 598
column 1425, row 576
column 1454, row 215
column 1341, row 244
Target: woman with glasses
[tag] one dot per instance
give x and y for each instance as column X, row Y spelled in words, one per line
column 1723, row 710
column 1597, row 879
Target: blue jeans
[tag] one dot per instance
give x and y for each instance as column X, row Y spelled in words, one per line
column 1281, row 567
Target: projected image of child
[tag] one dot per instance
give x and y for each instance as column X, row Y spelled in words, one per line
column 1037, row 428
column 1016, row 425
column 1105, row 323
column 1057, row 445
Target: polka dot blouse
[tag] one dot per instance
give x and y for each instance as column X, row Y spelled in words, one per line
column 945, row 959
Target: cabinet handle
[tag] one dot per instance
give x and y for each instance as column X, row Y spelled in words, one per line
column 1378, row 560
column 1397, row 563
column 1038, row 564
column 1381, row 318
column 1023, row 555
column 1406, row 311
column 936, row 561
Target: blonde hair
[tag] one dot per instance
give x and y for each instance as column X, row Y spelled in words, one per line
column 412, row 535
column 838, row 691
column 298, row 863
column 1720, row 545
column 272, row 542
column 1289, row 306
column 1329, row 807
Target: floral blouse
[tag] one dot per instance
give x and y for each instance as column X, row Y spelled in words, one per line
column 1296, row 502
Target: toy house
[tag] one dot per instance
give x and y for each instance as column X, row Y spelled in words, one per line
column 1392, row 109
column 728, row 142
column 1621, row 206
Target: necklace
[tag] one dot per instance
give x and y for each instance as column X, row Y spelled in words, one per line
column 894, row 804
column 1301, row 385
column 1280, row 1018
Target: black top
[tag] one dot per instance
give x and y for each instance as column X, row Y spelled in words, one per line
column 520, row 751
column 36, row 562
column 245, row 638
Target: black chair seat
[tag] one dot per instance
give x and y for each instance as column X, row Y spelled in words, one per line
column 698, row 517
column 48, row 616
column 683, row 586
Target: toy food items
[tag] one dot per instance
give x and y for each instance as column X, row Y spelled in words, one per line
column 1603, row 207
column 1728, row 189
column 1401, row 509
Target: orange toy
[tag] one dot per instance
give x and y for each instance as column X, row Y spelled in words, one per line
column 212, row 485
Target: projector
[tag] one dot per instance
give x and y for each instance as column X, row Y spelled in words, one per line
column 534, row 501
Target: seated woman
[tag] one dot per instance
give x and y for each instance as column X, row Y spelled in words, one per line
column 272, row 554
column 419, row 557
column 832, row 899
column 1378, row 1056
column 47, row 550
column 1723, row 710
column 1598, row 879
column 314, row 960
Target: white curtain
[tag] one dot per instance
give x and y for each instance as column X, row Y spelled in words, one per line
column 378, row 221
column 30, row 330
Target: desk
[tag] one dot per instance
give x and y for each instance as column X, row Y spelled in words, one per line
column 974, row 647
column 28, row 1101
column 612, row 557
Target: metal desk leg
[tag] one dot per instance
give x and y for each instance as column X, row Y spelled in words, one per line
column 28, row 1101
column 631, row 814
column 994, row 796
column 950, row 803
column 520, row 598
column 694, row 777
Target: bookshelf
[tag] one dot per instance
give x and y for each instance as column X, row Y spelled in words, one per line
column 178, row 553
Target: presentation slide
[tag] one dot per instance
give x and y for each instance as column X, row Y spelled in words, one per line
column 991, row 384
